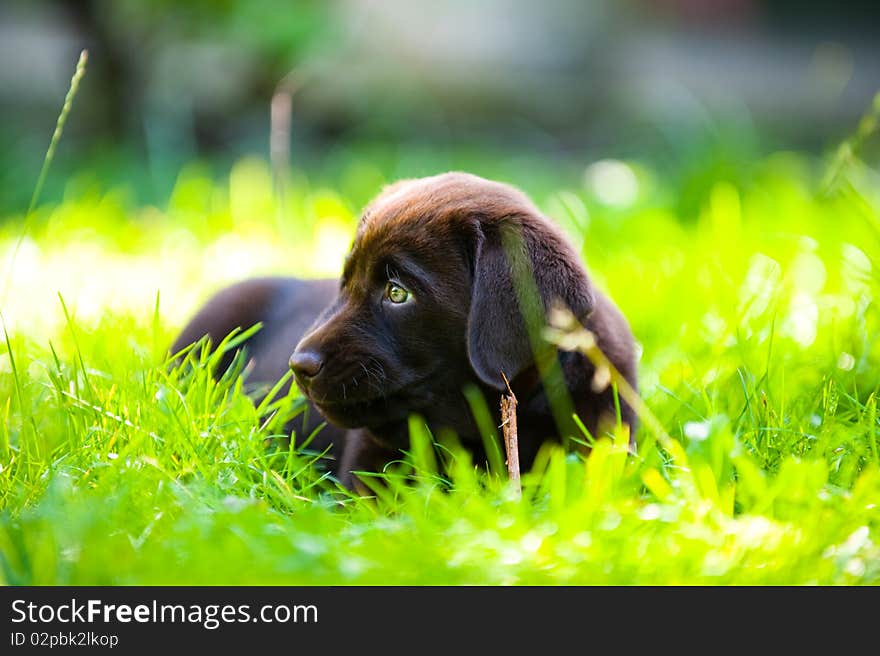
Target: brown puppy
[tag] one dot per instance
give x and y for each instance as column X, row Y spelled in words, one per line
column 446, row 286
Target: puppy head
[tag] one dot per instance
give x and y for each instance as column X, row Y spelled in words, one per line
column 448, row 282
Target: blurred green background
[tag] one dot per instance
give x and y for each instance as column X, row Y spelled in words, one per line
column 528, row 92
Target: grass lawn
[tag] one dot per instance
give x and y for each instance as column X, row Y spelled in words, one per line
column 757, row 319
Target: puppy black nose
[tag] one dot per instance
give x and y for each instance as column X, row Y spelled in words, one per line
column 306, row 364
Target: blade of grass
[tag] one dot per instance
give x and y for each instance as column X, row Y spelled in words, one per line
column 47, row 161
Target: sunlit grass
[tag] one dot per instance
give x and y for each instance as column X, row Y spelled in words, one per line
column 757, row 323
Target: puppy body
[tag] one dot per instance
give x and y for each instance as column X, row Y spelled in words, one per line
column 286, row 308
column 447, row 285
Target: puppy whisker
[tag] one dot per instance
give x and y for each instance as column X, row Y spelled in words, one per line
column 373, row 373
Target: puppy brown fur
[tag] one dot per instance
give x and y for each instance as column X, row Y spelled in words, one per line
column 447, row 285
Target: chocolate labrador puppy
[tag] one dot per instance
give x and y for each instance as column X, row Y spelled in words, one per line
column 447, row 286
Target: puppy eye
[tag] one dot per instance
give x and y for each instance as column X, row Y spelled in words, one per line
column 396, row 294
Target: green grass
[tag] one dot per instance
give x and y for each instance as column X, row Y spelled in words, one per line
column 758, row 323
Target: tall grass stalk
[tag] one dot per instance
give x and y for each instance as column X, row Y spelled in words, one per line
column 78, row 75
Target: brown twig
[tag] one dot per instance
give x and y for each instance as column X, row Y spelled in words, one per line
column 280, row 119
column 280, row 111
column 511, row 439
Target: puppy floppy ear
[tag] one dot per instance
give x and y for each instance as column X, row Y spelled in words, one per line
column 522, row 267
